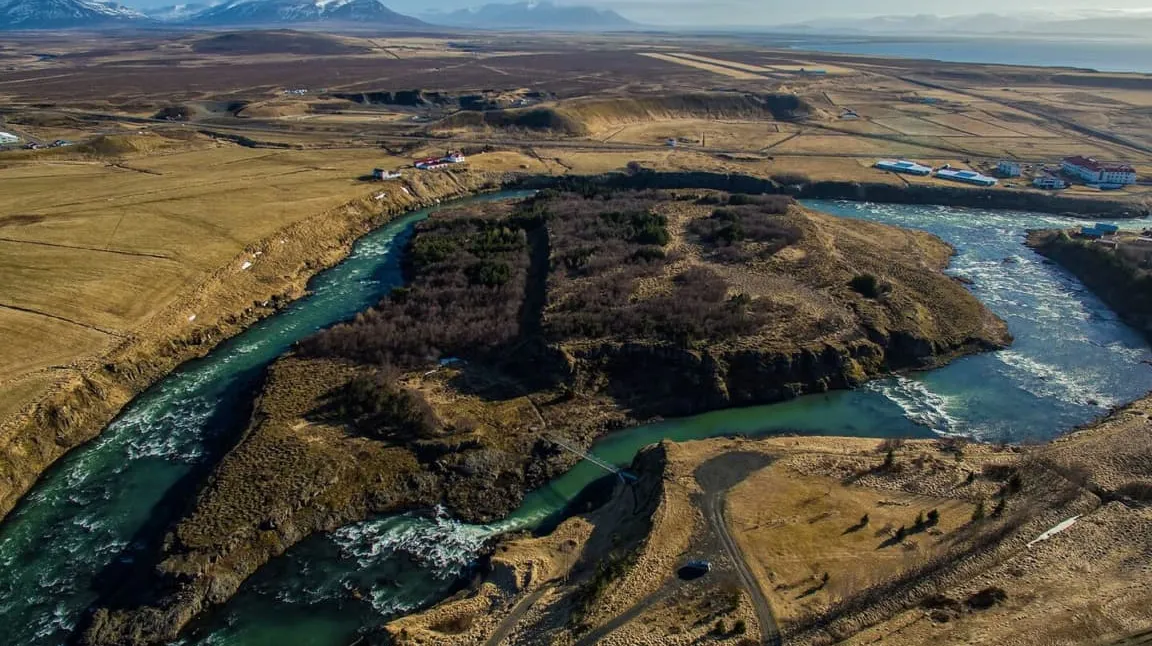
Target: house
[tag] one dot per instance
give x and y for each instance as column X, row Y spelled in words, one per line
column 1098, row 230
column 904, row 166
column 1009, row 168
column 1049, row 182
column 382, row 174
column 1094, row 172
column 966, row 176
column 8, row 138
column 454, row 158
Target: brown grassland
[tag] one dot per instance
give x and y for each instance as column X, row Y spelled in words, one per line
column 212, row 174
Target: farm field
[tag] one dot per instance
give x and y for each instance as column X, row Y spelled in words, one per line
column 89, row 267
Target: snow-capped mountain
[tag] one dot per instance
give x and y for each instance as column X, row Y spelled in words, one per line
column 268, row 12
column 65, row 14
column 535, row 15
column 176, row 12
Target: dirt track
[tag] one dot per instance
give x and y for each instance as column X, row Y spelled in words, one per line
column 717, row 477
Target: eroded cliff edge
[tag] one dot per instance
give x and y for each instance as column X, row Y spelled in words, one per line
column 566, row 315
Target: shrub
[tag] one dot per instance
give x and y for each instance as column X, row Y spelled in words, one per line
column 986, row 598
column 866, row 285
column 978, row 512
column 747, row 219
column 489, row 273
column 740, row 627
column 378, row 408
column 1141, row 491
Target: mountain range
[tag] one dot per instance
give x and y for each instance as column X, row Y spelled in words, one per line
column 98, row 14
column 534, row 15
column 65, row 14
column 278, row 12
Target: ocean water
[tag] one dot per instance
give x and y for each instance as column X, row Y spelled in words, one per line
column 1100, row 55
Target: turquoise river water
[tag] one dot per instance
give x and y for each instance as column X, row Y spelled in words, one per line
column 1072, row 359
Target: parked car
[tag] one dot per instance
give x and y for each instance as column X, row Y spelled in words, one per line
column 694, row 569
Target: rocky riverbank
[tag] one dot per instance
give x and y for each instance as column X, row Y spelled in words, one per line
column 1119, row 281
column 630, row 305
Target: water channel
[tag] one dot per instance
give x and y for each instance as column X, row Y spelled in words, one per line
column 1071, row 360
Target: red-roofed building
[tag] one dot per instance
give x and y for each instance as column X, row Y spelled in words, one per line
column 1095, row 172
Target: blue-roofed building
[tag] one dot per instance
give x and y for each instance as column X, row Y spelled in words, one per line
column 966, row 176
column 1098, row 230
column 904, row 166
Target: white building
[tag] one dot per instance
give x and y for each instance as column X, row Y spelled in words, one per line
column 1048, row 182
column 1094, row 172
column 904, row 166
column 966, row 176
column 1009, row 168
column 8, row 138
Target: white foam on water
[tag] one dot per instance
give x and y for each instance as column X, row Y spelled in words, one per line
column 1048, row 381
column 440, row 543
column 920, row 405
column 58, row 623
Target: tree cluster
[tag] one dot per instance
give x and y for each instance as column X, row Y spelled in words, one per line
column 729, row 230
column 602, row 244
column 468, row 272
column 378, row 408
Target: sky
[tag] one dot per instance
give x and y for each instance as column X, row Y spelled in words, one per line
column 770, row 12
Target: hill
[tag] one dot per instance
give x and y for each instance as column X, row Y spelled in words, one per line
column 284, row 41
column 271, row 12
column 65, row 14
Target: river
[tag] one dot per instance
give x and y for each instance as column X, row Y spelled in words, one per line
column 1071, row 360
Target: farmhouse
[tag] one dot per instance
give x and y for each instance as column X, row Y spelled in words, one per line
column 904, row 166
column 383, row 174
column 440, row 162
column 8, row 138
column 1094, row 172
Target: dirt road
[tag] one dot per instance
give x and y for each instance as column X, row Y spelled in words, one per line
column 505, row 628
column 714, row 514
column 717, row 477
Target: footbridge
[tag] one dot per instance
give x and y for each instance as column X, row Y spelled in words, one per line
column 623, row 474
